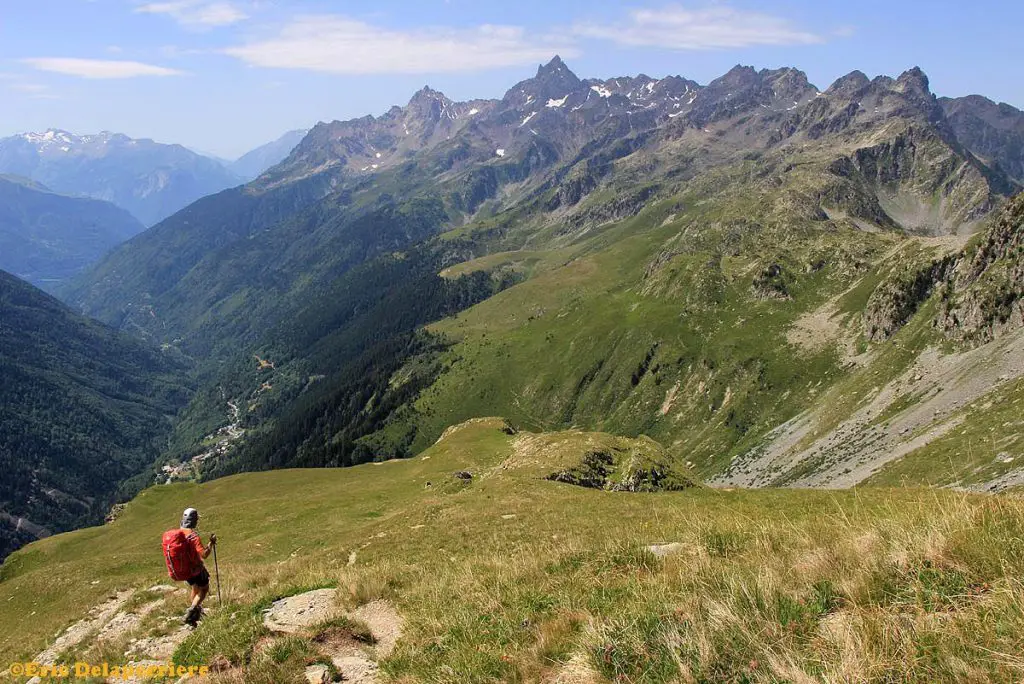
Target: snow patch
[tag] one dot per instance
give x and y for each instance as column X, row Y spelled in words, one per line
column 378, row 155
column 527, row 119
column 473, row 111
column 557, row 103
column 500, row 152
column 602, row 91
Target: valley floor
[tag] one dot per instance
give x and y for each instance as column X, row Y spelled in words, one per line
column 508, row 576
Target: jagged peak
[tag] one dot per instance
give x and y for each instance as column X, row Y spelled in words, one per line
column 851, row 82
column 553, row 80
column 426, row 94
column 738, row 71
column 914, row 78
column 555, row 66
column 789, row 79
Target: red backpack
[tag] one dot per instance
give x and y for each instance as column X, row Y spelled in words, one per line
column 182, row 561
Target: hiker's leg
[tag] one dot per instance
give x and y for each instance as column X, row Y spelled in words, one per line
column 199, row 593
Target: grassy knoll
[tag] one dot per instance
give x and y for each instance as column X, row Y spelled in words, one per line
column 512, row 577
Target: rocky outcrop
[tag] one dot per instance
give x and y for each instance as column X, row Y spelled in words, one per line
column 898, row 298
column 984, row 295
column 981, row 289
column 771, row 283
column 609, row 470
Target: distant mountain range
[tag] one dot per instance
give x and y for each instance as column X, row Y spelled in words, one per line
column 46, row 237
column 150, row 180
column 252, row 164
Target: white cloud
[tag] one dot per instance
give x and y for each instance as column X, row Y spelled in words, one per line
column 196, row 13
column 35, row 91
column 716, row 27
column 340, row 45
column 31, row 88
column 98, row 68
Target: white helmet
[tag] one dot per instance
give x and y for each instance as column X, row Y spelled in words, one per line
column 190, row 518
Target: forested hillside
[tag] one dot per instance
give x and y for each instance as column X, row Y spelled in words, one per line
column 83, row 409
column 46, row 238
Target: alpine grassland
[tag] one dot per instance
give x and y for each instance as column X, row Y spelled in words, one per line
column 511, row 576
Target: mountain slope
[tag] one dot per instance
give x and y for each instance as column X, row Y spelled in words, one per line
column 255, row 162
column 46, row 238
column 503, row 575
column 82, row 409
column 717, row 220
column 149, row 179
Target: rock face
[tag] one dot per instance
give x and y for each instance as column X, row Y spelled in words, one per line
column 981, row 288
column 984, row 295
column 991, row 131
column 898, row 298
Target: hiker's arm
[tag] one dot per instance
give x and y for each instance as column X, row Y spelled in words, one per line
column 207, row 550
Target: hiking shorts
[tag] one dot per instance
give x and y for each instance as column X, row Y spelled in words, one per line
column 200, row 579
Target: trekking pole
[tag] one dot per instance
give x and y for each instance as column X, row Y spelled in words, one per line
column 216, row 570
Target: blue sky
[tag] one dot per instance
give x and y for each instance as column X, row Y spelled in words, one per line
column 224, row 76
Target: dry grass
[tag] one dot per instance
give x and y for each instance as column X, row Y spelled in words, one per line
column 765, row 586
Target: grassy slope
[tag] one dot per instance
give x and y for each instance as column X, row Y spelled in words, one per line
column 914, row 585
column 594, row 310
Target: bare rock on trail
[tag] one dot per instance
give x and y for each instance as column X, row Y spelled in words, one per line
column 158, row 647
column 76, row 633
column 356, row 669
column 384, row 622
column 355, row 661
column 294, row 614
column 318, row 674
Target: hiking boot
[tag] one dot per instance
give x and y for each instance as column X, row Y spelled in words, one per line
column 192, row 616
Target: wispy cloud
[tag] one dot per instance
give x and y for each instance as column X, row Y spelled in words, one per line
column 716, row 27
column 36, row 91
column 200, row 14
column 341, row 45
column 98, row 68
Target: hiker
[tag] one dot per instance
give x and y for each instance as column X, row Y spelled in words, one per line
column 184, row 553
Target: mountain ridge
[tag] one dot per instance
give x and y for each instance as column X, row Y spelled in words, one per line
column 46, row 237
column 149, row 179
column 756, row 193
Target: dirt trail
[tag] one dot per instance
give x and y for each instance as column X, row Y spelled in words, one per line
column 355, row 661
column 88, row 626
